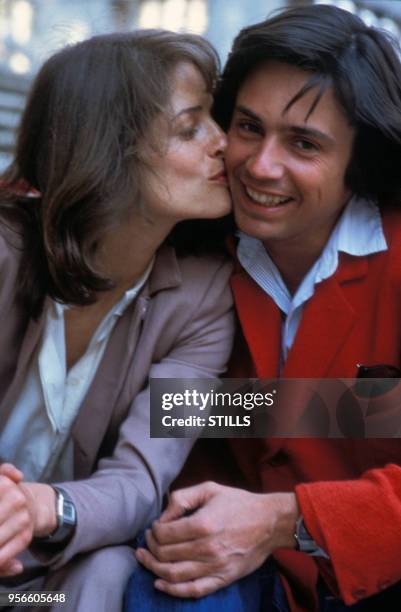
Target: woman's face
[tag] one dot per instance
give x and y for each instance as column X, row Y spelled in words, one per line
column 188, row 179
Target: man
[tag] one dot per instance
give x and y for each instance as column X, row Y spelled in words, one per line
column 311, row 100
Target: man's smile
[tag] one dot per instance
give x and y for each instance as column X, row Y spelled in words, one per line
column 266, row 199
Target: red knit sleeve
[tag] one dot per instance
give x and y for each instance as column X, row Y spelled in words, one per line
column 358, row 523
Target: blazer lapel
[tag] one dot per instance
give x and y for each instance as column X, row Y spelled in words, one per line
column 327, row 320
column 93, row 418
column 100, row 402
column 28, row 346
column 261, row 324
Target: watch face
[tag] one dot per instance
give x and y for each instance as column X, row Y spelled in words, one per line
column 66, row 520
column 69, row 512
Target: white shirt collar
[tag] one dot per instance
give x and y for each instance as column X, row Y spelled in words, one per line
column 358, row 232
column 56, row 310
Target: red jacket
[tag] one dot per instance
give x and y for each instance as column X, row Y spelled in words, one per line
column 349, row 490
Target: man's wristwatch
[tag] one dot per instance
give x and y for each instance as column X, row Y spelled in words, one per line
column 66, row 519
column 305, row 543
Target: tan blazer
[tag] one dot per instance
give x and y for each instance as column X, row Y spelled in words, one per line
column 180, row 325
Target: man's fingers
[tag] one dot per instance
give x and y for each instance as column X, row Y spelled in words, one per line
column 187, row 500
column 204, row 550
column 181, row 571
column 171, row 552
column 197, row 526
column 9, row 470
column 177, row 572
column 194, row 588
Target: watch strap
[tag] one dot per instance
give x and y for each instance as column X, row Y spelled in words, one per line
column 66, row 519
column 304, row 541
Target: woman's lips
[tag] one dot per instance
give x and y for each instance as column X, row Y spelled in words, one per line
column 219, row 177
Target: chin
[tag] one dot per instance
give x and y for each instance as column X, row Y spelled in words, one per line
column 225, row 206
column 216, row 209
column 253, row 228
column 246, row 224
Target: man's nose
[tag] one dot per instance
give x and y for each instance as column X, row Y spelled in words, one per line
column 266, row 162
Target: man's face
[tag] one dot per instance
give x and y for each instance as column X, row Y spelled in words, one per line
column 286, row 172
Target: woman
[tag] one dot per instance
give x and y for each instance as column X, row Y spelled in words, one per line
column 116, row 146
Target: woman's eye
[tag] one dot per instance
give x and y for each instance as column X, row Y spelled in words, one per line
column 189, row 133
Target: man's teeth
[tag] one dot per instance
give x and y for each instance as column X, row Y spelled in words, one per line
column 267, row 200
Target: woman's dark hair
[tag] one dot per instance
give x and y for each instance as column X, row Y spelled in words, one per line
column 79, row 158
column 359, row 62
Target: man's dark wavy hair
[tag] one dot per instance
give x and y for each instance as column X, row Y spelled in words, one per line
column 362, row 65
column 80, row 153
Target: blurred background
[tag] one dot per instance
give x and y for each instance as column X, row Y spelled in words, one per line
column 31, row 30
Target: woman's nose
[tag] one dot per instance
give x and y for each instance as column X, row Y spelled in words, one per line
column 219, row 140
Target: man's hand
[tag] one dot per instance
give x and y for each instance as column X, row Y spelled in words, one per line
column 26, row 510
column 229, row 533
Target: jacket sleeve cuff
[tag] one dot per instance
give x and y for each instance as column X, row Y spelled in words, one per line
column 357, row 523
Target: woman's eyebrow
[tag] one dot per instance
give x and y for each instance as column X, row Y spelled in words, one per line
column 190, row 109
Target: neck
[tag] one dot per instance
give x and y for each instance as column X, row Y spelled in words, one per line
column 295, row 262
column 127, row 251
column 295, row 256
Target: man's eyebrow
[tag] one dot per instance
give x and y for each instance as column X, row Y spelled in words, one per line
column 248, row 113
column 311, row 133
column 300, row 130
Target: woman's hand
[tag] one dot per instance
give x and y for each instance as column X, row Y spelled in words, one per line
column 26, row 510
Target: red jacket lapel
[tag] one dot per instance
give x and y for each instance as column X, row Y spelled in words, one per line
column 327, row 320
column 260, row 320
column 326, row 323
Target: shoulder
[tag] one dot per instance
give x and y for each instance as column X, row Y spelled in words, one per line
column 182, row 286
column 10, row 255
column 200, row 271
column 190, row 305
column 205, row 282
column 192, row 274
column 391, row 219
column 13, row 314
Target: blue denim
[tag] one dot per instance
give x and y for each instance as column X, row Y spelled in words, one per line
column 261, row 591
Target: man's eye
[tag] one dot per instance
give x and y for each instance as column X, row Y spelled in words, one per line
column 248, row 126
column 243, row 128
column 305, row 145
